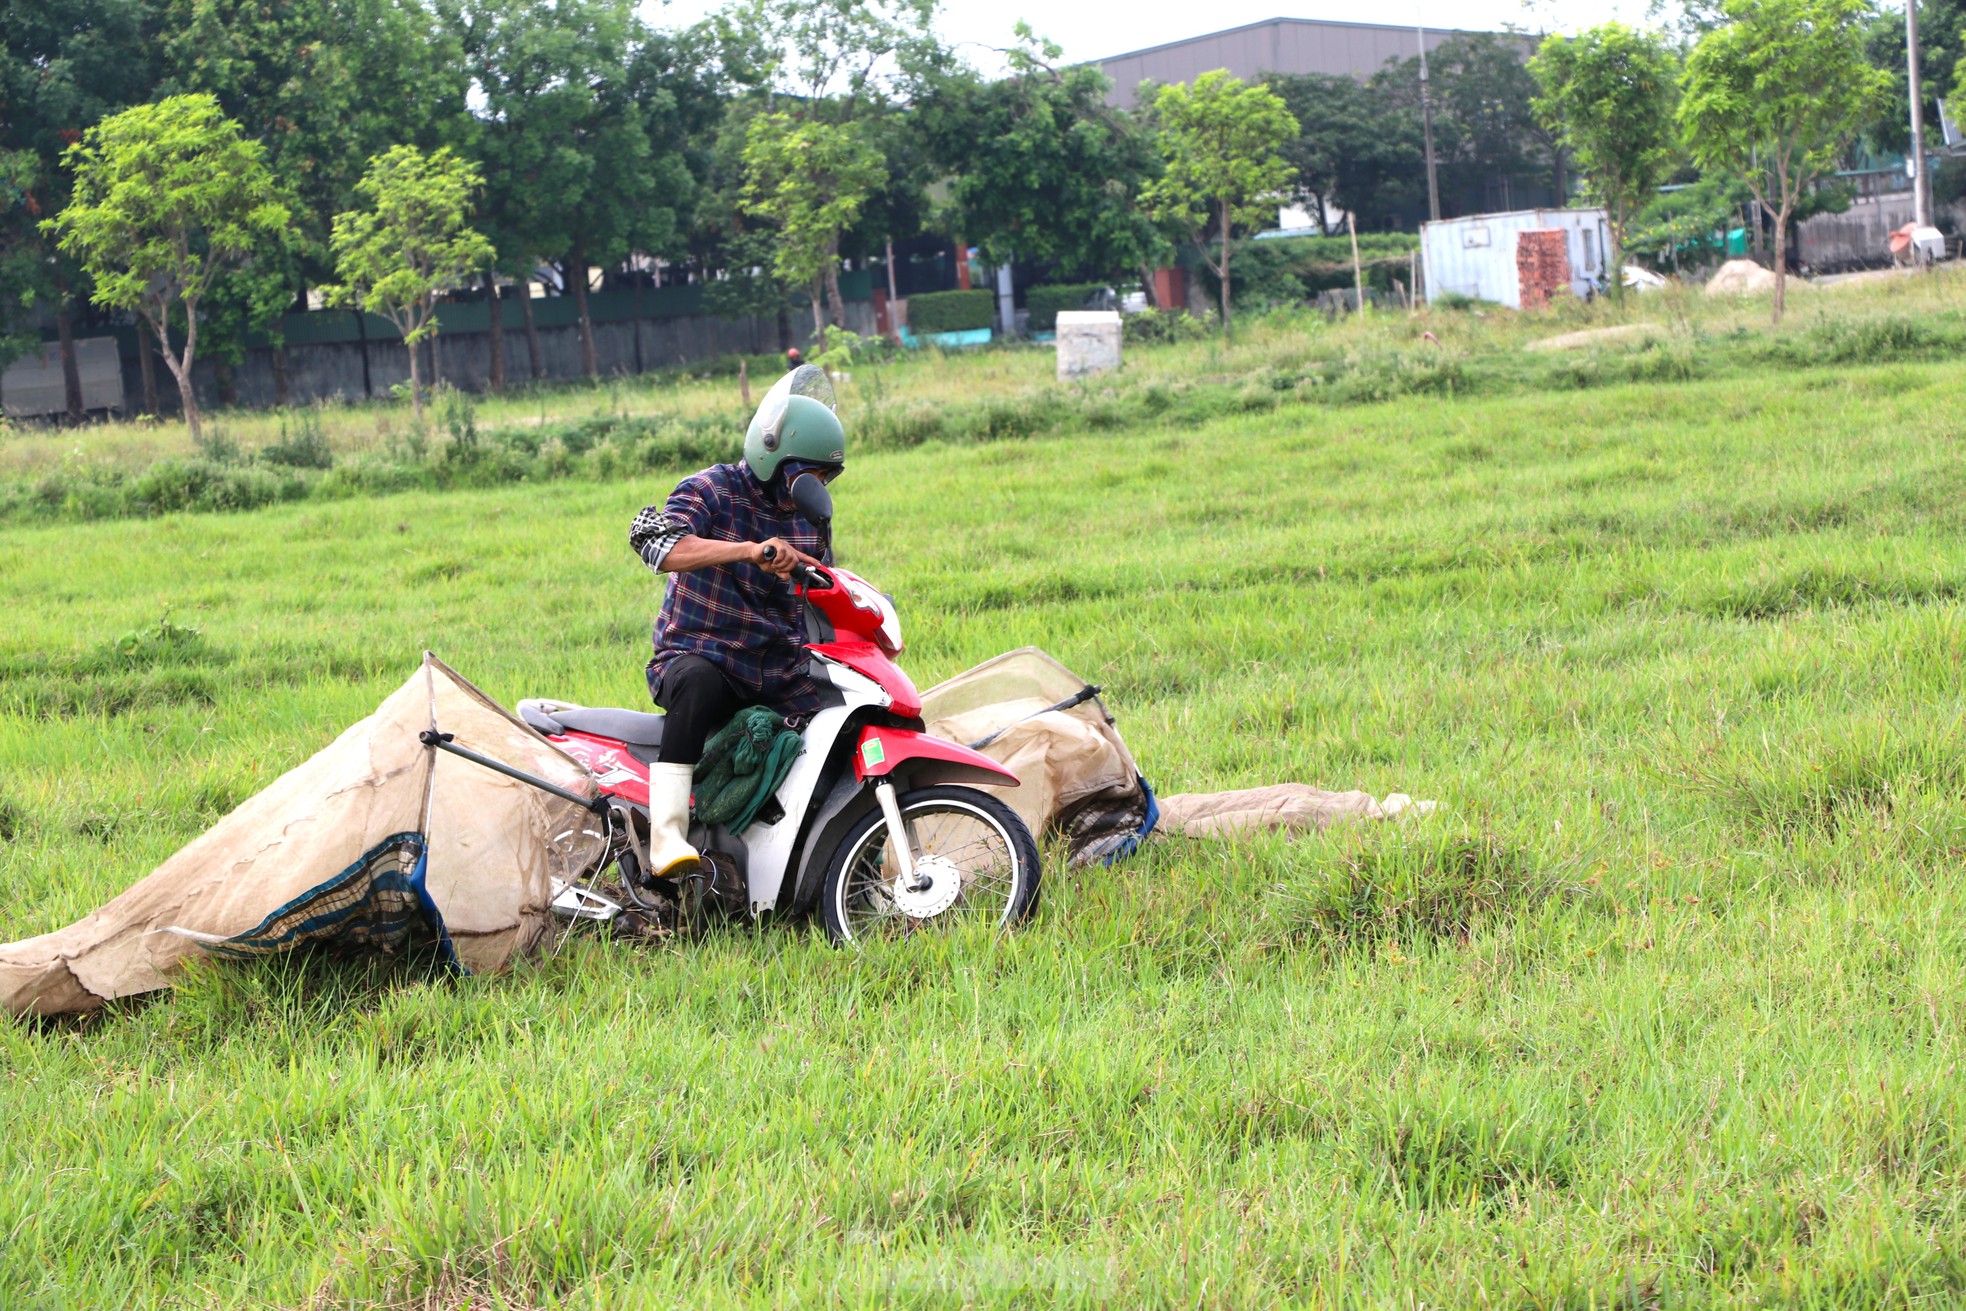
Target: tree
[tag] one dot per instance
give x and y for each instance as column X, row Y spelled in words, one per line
column 578, row 135
column 839, row 60
column 414, row 242
column 63, row 67
column 1222, row 140
column 167, row 198
column 1040, row 168
column 1941, row 39
column 831, row 74
column 1608, row 94
column 1774, row 96
column 323, row 85
column 810, row 180
column 1490, row 151
column 1355, row 149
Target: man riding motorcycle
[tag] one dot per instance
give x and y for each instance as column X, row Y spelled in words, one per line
column 731, row 630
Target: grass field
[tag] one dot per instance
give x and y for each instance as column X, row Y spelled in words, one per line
column 1663, row 1007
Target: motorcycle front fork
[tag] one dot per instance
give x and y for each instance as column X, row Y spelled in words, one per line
column 897, row 836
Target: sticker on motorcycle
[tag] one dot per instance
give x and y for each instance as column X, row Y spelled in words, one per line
column 872, row 752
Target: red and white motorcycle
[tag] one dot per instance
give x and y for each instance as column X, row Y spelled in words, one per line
column 880, row 826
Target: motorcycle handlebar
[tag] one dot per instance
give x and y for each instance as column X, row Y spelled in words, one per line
column 803, row 573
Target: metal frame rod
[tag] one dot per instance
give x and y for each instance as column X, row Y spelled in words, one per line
column 442, row 741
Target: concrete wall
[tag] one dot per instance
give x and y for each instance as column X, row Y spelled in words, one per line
column 325, row 351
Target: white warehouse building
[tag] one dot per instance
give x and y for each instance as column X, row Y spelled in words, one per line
column 1476, row 256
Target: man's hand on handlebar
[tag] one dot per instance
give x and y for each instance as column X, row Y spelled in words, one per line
column 779, row 557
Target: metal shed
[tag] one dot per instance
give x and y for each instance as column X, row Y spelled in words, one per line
column 1475, row 256
column 1275, row 45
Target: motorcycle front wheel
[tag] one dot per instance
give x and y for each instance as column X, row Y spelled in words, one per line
column 974, row 860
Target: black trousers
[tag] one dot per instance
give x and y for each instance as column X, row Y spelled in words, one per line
column 698, row 701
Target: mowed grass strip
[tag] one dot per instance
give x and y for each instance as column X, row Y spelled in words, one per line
column 1662, row 1007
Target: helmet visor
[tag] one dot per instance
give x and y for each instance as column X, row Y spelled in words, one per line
column 806, row 380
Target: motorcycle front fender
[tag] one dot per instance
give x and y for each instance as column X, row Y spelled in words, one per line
column 923, row 761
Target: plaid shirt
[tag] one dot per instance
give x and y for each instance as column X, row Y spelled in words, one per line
column 740, row 618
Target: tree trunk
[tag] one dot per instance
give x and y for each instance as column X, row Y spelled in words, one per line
column 187, row 401
column 416, row 387
column 1614, row 259
column 495, row 378
column 181, row 367
column 436, row 360
column 818, row 293
column 638, row 324
column 1147, row 286
column 279, row 357
column 228, row 385
column 71, row 373
column 835, row 303
column 532, row 331
column 368, row 386
column 1781, row 262
column 577, row 276
column 147, row 367
column 1225, row 269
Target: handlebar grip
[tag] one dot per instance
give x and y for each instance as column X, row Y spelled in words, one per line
column 803, row 573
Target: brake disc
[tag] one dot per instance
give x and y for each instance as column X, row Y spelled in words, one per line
column 943, row 882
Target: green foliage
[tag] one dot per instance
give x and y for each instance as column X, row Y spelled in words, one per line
column 303, row 442
column 809, row 179
column 751, row 283
column 1693, row 220
column 839, row 348
column 1774, row 96
column 1291, row 270
column 1040, row 169
column 1156, row 327
column 167, row 198
column 1043, row 303
column 1485, row 130
column 62, row 67
column 1941, row 40
column 414, row 241
column 1222, row 140
column 1608, row 93
column 951, row 311
column 1357, row 149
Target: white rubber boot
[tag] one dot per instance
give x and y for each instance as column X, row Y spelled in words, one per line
column 670, row 854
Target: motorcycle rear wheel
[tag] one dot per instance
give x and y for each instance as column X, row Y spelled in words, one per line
column 962, row 834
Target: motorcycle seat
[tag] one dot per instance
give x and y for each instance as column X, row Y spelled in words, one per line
column 634, row 727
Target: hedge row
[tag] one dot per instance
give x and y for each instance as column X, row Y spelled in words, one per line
column 1044, row 303
column 951, row 311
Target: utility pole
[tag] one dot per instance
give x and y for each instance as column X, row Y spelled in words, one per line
column 1427, row 125
column 1921, row 186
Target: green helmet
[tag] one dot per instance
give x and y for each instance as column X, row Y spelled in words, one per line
column 795, row 421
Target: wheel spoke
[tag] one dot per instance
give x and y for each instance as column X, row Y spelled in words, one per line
column 979, row 850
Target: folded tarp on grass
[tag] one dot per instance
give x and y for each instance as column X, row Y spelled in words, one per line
column 1078, row 779
column 378, row 842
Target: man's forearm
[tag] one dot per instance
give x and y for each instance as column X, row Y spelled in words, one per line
column 691, row 552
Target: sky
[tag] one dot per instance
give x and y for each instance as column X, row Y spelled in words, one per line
column 1111, row 27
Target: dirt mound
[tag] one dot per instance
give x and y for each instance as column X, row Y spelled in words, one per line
column 1633, row 333
column 1740, row 277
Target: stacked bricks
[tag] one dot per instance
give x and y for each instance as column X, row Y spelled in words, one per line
column 1542, row 266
